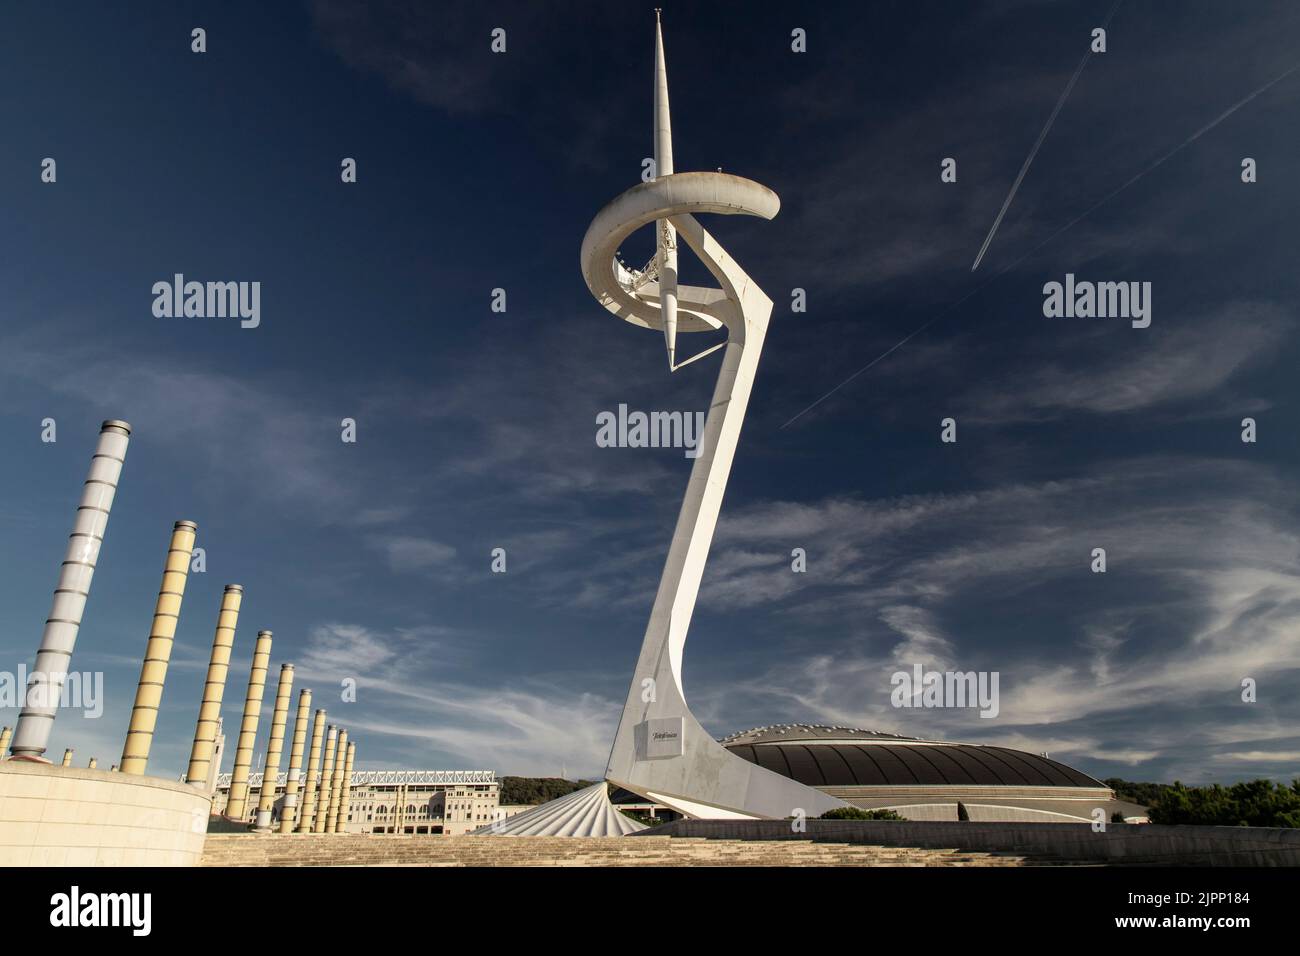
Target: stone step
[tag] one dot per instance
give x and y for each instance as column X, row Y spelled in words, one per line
column 379, row 850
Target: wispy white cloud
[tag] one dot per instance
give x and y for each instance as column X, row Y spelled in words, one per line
column 254, row 437
column 1201, row 592
column 422, row 51
column 1263, row 756
column 410, row 553
column 405, row 701
column 1193, row 359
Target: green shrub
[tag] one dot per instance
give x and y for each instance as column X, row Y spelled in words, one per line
column 641, row 817
column 857, row 813
column 535, row 790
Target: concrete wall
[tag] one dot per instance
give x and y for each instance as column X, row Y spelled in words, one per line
column 1146, row 844
column 991, row 804
column 66, row 816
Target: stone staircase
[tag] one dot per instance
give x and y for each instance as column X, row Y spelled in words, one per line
column 366, row 850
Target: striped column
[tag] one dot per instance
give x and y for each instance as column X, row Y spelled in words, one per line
column 274, row 747
column 345, row 801
column 158, row 652
column 67, row 757
column 326, row 782
column 340, row 757
column 313, row 768
column 218, row 754
column 214, row 689
column 237, row 803
column 44, row 686
column 289, row 815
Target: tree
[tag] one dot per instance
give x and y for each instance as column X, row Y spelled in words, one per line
column 531, row 791
column 857, row 813
column 1253, row 803
column 1143, row 794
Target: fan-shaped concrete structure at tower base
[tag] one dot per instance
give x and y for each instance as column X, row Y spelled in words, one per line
column 586, row 812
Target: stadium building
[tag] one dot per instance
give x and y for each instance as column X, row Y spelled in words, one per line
column 929, row 779
column 416, row 802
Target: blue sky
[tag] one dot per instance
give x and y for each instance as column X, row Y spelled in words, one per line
column 476, row 430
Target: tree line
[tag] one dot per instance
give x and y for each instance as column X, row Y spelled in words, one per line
column 1251, row 803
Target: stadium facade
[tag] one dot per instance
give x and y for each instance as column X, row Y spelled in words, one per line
column 930, row 779
column 413, row 802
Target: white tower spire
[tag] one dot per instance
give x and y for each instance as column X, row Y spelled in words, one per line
column 663, row 122
column 666, row 235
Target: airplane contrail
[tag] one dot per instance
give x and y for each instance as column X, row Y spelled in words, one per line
column 1069, row 225
column 1167, row 156
column 1024, row 168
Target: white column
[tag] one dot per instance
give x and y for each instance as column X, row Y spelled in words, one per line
column 45, row 683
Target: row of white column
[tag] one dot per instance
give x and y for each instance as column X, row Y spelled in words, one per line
column 317, row 798
column 324, row 808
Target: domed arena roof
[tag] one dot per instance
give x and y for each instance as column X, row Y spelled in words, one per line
column 821, row 756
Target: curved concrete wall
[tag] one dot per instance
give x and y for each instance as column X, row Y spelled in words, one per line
column 1132, row 844
column 65, row 816
column 990, row 804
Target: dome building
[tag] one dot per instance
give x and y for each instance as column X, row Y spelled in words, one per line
column 927, row 779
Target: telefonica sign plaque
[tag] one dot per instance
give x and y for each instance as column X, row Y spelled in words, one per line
column 661, row 737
